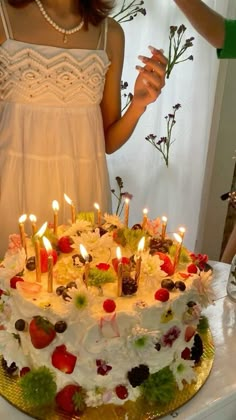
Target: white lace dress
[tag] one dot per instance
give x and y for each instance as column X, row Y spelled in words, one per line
column 51, row 131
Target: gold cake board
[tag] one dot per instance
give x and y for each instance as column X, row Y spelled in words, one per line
column 138, row 410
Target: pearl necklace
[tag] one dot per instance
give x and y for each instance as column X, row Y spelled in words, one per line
column 58, row 28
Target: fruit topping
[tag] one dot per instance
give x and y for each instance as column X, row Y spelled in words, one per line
column 109, row 305
column 197, row 349
column 102, row 368
column 30, row 265
column 60, row 290
column 180, row 285
column 167, row 284
column 42, row 332
column 10, row 370
column 189, row 332
column 60, row 326
column 138, row 375
column 167, row 265
column 162, row 295
column 14, row 280
column 129, row 286
column 192, row 268
column 121, row 392
column 64, row 244
column 71, row 399
column 63, row 360
column 20, row 325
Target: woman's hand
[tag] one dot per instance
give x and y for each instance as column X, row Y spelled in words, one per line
column 151, row 78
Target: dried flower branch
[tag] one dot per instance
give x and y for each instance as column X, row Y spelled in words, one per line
column 120, row 196
column 164, row 143
column 177, row 48
column 130, row 11
column 126, row 98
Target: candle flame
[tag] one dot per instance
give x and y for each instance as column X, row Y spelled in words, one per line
column 33, row 218
column 164, row 219
column 68, row 200
column 96, row 206
column 55, row 206
column 83, row 252
column 177, row 238
column 141, row 244
column 182, row 229
column 23, row 218
column 127, row 200
column 118, row 253
column 47, row 244
column 145, row 211
column 41, row 231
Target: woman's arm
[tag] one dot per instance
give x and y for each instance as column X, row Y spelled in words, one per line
column 150, row 80
column 206, row 21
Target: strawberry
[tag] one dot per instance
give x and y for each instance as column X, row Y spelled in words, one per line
column 41, row 331
column 116, row 261
column 162, row 294
column 192, row 268
column 63, row 360
column 64, row 244
column 189, row 332
column 15, row 280
column 167, row 265
column 44, row 259
column 71, row 399
column 109, row 305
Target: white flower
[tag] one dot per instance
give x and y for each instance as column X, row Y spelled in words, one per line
column 11, row 349
column 82, row 298
column 202, row 285
column 79, row 226
column 112, row 220
column 12, row 265
column 151, row 269
column 183, row 371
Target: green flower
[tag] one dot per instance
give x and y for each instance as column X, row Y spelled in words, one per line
column 160, row 387
column 38, row 386
column 81, row 300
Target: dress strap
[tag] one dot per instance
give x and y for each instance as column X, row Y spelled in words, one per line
column 103, row 36
column 5, row 20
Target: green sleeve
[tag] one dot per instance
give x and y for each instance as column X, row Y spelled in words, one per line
column 229, row 48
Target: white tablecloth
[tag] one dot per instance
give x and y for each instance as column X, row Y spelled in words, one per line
column 216, row 400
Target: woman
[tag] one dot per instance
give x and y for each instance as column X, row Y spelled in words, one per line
column 61, row 64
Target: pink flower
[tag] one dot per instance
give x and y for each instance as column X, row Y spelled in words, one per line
column 153, row 226
column 14, row 243
column 171, row 335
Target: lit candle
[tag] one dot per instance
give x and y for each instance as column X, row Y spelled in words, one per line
column 55, row 207
column 98, row 213
column 139, row 258
column 22, row 220
column 85, row 256
column 50, row 263
column 72, row 206
column 145, row 212
column 37, row 237
column 178, row 250
column 119, row 271
column 33, row 220
column 163, row 227
column 126, row 218
column 182, row 231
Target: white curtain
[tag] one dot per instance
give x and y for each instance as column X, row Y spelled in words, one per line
column 176, row 191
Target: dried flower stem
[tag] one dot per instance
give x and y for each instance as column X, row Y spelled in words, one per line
column 130, row 11
column 176, row 48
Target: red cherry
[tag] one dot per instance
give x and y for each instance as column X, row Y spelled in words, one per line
column 162, row 295
column 15, row 280
column 192, row 269
column 121, row 392
column 109, row 305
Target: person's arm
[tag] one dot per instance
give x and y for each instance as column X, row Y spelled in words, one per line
column 206, row 21
column 150, row 80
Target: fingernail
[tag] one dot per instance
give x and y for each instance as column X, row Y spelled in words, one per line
column 139, row 68
column 155, row 50
column 142, row 58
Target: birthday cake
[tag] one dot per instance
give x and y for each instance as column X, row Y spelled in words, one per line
column 116, row 319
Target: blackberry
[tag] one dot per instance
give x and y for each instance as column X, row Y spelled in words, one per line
column 30, row 265
column 197, row 349
column 138, row 375
column 160, row 245
column 167, row 284
column 10, row 370
column 129, row 286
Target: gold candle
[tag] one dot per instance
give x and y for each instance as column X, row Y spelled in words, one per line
column 33, row 220
column 98, row 214
column 182, row 231
column 145, row 212
column 85, row 256
column 37, row 237
column 126, row 217
column 55, row 207
column 50, row 263
column 139, row 259
column 72, row 206
column 119, row 271
column 163, row 227
column 22, row 220
column 178, row 250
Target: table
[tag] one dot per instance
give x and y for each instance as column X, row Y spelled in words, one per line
column 216, row 400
